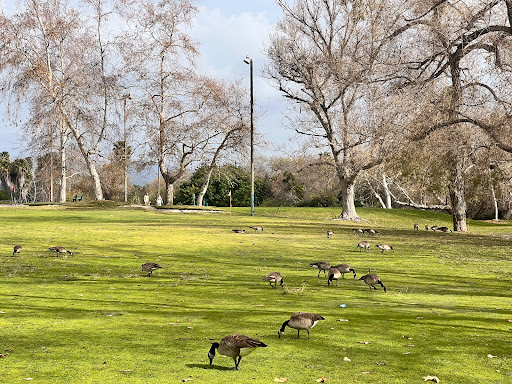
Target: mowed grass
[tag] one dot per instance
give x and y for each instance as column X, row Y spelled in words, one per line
column 95, row 318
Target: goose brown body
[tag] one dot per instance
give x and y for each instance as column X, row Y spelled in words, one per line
column 329, row 234
column 363, row 245
column 238, row 230
column 60, row 250
column 345, row 268
column 444, row 229
column 371, row 279
column 274, row 277
column 150, row 267
column 17, row 249
column 236, row 347
column 322, row 266
column 385, row 247
column 257, row 228
column 301, row 321
column 334, row 274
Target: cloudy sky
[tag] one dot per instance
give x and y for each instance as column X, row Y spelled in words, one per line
column 228, row 31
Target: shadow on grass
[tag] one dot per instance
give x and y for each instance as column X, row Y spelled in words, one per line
column 208, row 366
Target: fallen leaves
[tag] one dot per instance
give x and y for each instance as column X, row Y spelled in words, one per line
column 364, row 342
column 435, row 379
column 381, row 363
column 491, row 356
column 280, row 380
column 3, row 355
column 186, row 380
column 321, row 380
column 346, row 359
column 342, row 320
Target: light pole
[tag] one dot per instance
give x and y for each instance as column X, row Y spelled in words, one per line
column 248, row 60
column 125, row 97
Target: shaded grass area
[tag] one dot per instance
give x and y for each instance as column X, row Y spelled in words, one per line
column 94, row 317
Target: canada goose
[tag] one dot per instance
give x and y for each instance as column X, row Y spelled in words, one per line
column 434, row 228
column 150, row 267
column 445, row 229
column 329, row 234
column 385, row 247
column 370, row 231
column 417, row 227
column 363, row 245
column 372, row 279
column 301, row 320
column 274, row 277
column 238, row 230
column 357, row 230
column 334, row 274
column 17, row 249
column 322, row 266
column 60, row 250
column 257, row 228
column 345, row 268
column 235, row 346
column 427, row 228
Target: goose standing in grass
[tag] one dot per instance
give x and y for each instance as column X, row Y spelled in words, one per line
column 274, row 277
column 363, row 245
column 236, row 347
column 322, row 266
column 417, row 227
column 238, row 230
column 385, row 247
column 301, row 321
column 257, row 228
column 357, row 230
column 370, row 231
column 17, row 249
column 445, row 229
column 371, row 279
column 427, row 227
column 60, row 250
column 434, row 228
column 334, row 274
column 345, row 268
column 329, row 234
column 150, row 267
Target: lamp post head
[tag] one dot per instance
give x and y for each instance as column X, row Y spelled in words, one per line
column 247, row 60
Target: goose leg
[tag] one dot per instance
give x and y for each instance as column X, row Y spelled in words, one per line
column 308, row 333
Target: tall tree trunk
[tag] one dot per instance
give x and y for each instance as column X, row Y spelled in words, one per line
column 495, row 203
column 348, row 207
column 386, row 191
column 63, row 139
column 457, row 195
column 204, row 188
column 169, row 193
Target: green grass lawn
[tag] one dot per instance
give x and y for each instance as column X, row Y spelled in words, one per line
column 95, row 318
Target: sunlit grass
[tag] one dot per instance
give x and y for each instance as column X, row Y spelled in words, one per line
column 94, row 317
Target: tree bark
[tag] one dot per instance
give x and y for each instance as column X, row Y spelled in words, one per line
column 386, row 191
column 204, row 187
column 169, row 193
column 348, row 206
column 62, row 187
column 457, row 195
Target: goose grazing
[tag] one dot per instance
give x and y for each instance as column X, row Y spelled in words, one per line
column 322, row 266
column 301, row 321
column 238, row 230
column 60, row 250
column 329, row 234
column 385, row 247
column 371, row 279
column 274, row 277
column 363, row 245
column 334, row 274
column 427, row 228
column 235, row 346
column 370, row 231
column 417, row 227
column 257, row 228
column 150, row 267
column 445, row 229
column 357, row 230
column 345, row 268
column 17, row 249
column 434, row 228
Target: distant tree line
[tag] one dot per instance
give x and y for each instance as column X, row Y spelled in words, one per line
column 397, row 104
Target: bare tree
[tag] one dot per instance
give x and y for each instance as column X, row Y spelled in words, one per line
column 333, row 58
column 463, row 60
